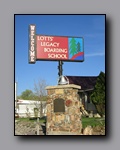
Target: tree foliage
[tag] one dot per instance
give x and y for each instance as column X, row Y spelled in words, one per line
column 78, row 47
column 27, row 95
column 73, row 49
column 40, row 93
column 98, row 95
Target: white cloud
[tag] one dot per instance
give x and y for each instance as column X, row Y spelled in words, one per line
column 94, row 54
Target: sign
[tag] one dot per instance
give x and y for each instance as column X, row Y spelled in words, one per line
column 32, row 47
column 59, row 105
column 59, row 48
column 44, row 47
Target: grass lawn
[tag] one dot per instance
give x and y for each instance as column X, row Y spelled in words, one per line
column 93, row 122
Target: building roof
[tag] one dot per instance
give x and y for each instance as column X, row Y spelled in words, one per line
column 86, row 82
column 24, row 101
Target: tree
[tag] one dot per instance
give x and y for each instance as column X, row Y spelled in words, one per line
column 78, row 47
column 40, row 93
column 73, row 45
column 27, row 94
column 98, row 95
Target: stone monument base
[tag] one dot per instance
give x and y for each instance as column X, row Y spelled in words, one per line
column 63, row 110
column 63, row 133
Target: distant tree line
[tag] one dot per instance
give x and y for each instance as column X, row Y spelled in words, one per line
column 39, row 94
column 97, row 96
column 30, row 95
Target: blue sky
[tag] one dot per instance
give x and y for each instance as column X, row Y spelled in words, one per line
column 90, row 27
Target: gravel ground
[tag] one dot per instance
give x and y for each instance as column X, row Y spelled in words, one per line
column 28, row 128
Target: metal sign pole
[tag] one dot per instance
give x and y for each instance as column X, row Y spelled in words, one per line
column 60, row 68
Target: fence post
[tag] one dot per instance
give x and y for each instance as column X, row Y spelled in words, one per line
column 37, row 126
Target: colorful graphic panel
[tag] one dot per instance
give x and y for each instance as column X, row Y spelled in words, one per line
column 59, row 48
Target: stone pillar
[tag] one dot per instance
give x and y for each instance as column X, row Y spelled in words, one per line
column 63, row 110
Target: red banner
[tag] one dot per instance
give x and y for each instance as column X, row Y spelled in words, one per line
column 52, row 47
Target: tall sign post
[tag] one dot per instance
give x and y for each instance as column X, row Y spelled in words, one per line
column 54, row 48
column 63, row 105
column 60, row 69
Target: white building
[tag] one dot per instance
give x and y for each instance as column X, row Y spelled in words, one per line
column 15, row 96
column 30, row 108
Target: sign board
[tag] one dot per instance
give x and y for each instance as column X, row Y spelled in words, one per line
column 44, row 47
column 59, row 105
column 32, row 44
